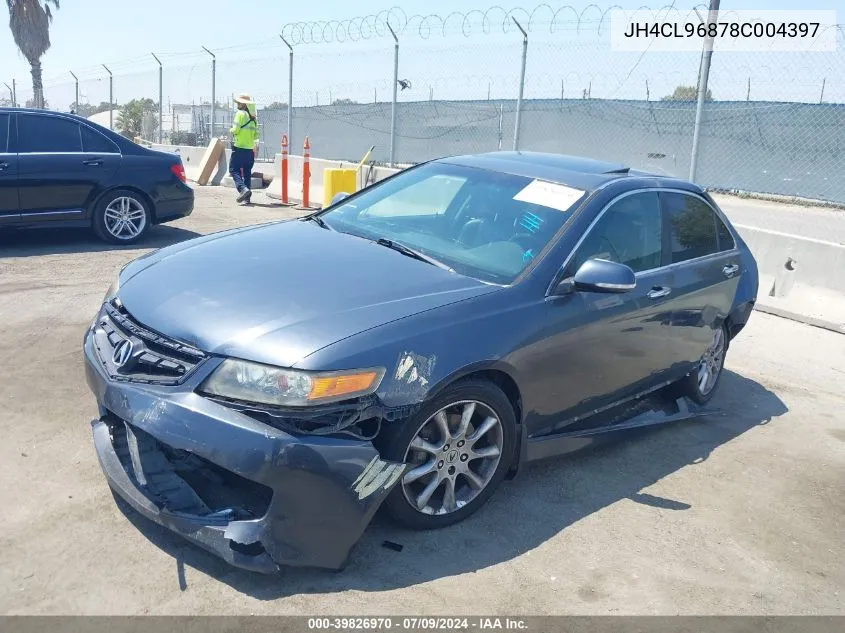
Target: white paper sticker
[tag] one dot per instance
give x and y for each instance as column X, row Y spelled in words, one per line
column 549, row 194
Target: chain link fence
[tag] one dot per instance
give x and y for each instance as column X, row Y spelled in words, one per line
column 772, row 122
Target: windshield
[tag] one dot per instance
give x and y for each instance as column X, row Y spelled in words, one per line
column 481, row 223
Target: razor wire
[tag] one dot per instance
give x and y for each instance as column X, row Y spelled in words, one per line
column 492, row 20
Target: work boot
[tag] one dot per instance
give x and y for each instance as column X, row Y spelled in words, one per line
column 243, row 195
column 248, row 196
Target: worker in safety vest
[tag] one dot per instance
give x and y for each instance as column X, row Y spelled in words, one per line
column 244, row 133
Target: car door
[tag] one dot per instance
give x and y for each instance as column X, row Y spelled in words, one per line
column 705, row 263
column 602, row 347
column 9, row 211
column 57, row 180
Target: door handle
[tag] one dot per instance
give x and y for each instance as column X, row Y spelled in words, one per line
column 4, row 166
column 659, row 291
column 730, row 270
column 94, row 162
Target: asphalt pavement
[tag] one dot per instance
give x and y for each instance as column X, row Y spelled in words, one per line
column 739, row 512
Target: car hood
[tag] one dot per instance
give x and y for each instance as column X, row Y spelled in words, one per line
column 279, row 292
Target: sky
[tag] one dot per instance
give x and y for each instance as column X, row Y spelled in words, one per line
column 252, row 58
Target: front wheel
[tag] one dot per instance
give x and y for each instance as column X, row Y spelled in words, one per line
column 459, row 447
column 700, row 385
column 121, row 217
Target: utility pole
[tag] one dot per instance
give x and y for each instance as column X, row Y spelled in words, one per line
column 703, row 76
column 395, row 88
column 290, row 90
column 160, row 100
column 76, row 80
column 521, row 85
column 213, row 88
column 111, row 98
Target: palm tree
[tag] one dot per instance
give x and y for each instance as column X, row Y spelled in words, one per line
column 30, row 21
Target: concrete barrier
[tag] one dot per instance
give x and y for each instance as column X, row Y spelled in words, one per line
column 191, row 159
column 800, row 278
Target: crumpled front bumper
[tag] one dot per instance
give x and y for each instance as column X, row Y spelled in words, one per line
column 324, row 490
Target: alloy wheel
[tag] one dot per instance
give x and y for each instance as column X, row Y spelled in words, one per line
column 711, row 363
column 454, row 454
column 125, row 218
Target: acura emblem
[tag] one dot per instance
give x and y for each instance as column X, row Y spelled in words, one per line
column 122, row 353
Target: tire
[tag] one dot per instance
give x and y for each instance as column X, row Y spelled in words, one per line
column 119, row 206
column 465, row 463
column 691, row 385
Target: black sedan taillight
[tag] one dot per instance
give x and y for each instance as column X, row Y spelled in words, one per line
column 179, row 171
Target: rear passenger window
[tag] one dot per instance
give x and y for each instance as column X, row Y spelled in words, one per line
column 47, row 134
column 630, row 232
column 95, row 143
column 726, row 240
column 4, row 133
column 693, row 226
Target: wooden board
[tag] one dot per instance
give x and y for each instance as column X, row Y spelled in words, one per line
column 209, row 161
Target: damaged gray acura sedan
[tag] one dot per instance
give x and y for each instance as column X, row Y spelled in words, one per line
column 263, row 391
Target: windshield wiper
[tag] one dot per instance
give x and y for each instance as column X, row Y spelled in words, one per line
column 410, row 252
column 320, row 221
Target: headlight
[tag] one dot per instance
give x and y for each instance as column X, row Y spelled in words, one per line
column 254, row 382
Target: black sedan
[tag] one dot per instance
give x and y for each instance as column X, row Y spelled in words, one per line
column 262, row 391
column 60, row 170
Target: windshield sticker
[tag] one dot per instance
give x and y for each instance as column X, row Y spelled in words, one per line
column 549, row 194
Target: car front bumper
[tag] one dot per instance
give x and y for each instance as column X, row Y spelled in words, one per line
column 321, row 492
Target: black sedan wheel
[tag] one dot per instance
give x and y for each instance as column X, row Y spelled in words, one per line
column 121, row 217
column 459, row 448
column 701, row 384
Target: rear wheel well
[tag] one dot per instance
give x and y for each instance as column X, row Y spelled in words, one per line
column 141, row 194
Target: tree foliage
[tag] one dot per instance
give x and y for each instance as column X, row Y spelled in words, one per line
column 687, row 93
column 31, row 103
column 29, row 21
column 88, row 109
column 344, row 101
column 131, row 117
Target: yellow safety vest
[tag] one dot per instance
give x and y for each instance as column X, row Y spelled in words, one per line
column 245, row 130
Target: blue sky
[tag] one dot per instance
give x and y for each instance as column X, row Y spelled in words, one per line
column 121, row 33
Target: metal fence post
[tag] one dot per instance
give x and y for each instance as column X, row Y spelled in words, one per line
column 76, row 81
column 393, row 105
column 521, row 85
column 14, row 94
column 111, row 97
column 160, row 99
column 703, row 76
column 213, row 88
column 11, row 94
column 290, row 90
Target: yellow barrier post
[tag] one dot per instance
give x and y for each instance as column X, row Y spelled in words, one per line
column 337, row 181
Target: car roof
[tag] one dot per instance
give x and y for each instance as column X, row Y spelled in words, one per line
column 575, row 171
column 39, row 111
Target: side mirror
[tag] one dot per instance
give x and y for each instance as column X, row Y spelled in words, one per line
column 338, row 197
column 600, row 275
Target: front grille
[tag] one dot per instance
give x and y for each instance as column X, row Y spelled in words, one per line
column 150, row 358
column 182, row 481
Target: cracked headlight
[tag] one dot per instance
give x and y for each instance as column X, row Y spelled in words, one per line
column 255, row 382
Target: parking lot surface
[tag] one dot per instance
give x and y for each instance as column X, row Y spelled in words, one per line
column 739, row 512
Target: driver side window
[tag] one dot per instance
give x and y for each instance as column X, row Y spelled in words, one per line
column 630, row 232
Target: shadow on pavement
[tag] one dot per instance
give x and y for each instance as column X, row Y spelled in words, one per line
column 29, row 242
column 540, row 502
